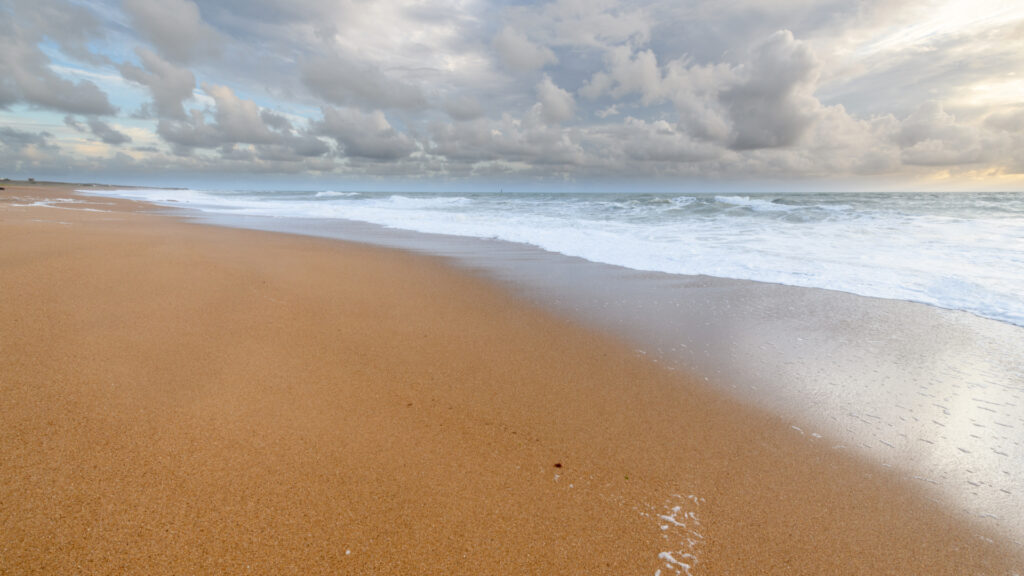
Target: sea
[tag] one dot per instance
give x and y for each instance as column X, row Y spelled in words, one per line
column 960, row 251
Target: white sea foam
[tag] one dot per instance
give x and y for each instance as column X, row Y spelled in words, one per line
column 955, row 251
column 681, row 532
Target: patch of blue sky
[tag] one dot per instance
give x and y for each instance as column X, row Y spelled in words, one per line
column 124, row 95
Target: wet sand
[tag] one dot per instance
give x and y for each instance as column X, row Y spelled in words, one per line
column 186, row 399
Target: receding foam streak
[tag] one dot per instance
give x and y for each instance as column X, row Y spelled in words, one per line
column 681, row 532
column 957, row 251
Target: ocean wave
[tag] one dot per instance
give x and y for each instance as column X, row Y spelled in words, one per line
column 888, row 247
column 333, row 194
column 755, row 203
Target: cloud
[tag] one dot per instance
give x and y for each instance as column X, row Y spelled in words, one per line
column 241, row 120
column 635, row 143
column 343, row 81
column 519, row 54
column 627, row 73
column 106, row 133
column 365, row 134
column 70, row 26
column 169, row 85
column 585, row 23
column 21, row 150
column 1011, row 120
column 464, row 108
column 932, row 137
column 559, row 89
column 236, row 121
column 175, row 27
column 774, row 105
column 26, row 76
column 764, row 102
column 98, row 128
column 556, row 105
column 508, row 144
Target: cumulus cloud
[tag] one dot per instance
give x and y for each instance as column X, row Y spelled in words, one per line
column 628, row 72
column 559, row 89
column 22, row 150
column 464, row 108
column 765, row 101
column 556, row 105
column 774, row 105
column 265, row 134
column 519, row 54
column 650, row 144
column 175, row 27
column 169, row 85
column 586, row 24
column 1011, row 120
column 508, row 144
column 106, row 133
column 69, row 26
column 932, row 137
column 365, row 134
column 343, row 81
column 26, row 75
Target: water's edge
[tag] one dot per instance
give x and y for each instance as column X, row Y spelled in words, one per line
column 936, row 393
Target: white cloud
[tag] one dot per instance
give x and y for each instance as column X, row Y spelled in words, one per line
column 556, row 105
column 556, row 89
column 169, row 85
column 175, row 27
column 365, row 134
column 519, row 54
column 344, row 81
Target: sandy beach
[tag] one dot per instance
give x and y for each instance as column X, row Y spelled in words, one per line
column 178, row 398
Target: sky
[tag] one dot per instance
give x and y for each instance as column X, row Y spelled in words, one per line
column 558, row 95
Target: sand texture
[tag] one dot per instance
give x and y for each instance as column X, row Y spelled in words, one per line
column 184, row 399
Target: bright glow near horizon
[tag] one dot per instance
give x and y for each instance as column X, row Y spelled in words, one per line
column 555, row 95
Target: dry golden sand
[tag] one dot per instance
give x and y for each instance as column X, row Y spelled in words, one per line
column 181, row 399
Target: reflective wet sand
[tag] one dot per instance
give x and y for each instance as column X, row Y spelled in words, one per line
column 937, row 394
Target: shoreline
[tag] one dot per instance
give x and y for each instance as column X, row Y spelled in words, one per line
column 200, row 399
column 929, row 391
